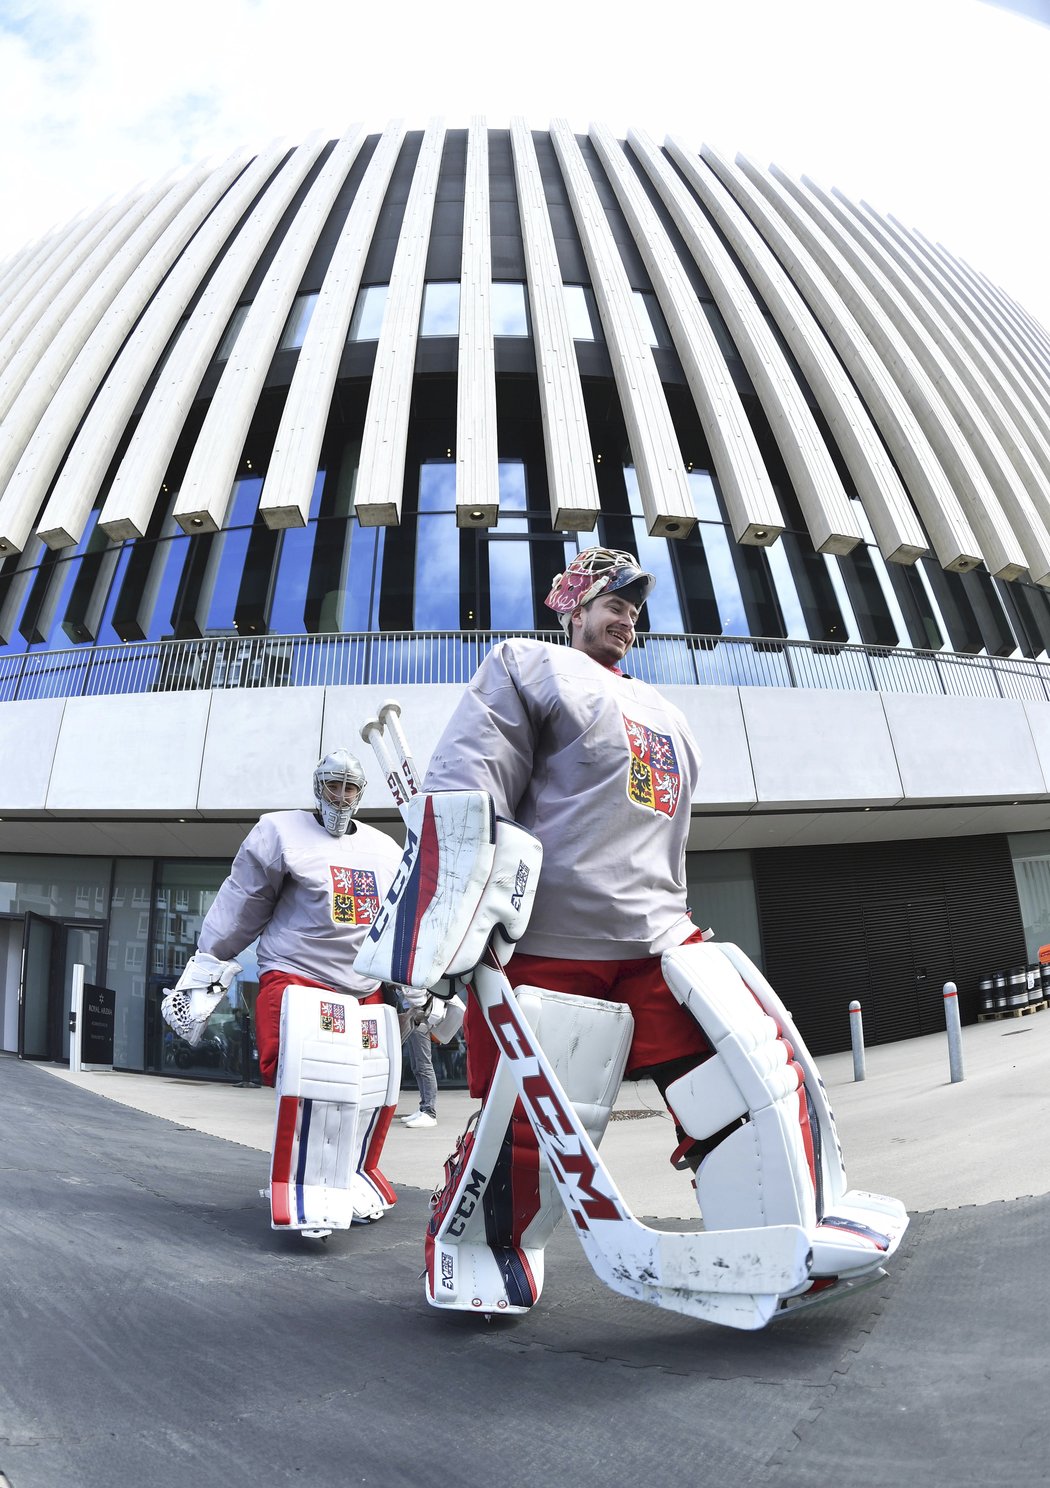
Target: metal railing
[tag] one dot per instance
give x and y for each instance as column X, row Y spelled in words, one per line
column 396, row 659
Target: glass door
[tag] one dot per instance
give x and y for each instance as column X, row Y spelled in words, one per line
column 80, row 948
column 12, row 936
column 35, row 1002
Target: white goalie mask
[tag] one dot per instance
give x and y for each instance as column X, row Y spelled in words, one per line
column 339, row 784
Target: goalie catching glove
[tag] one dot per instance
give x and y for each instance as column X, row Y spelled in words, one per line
column 196, row 995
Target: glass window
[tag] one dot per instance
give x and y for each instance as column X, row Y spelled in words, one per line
column 787, row 593
column 650, row 318
column 299, row 317
column 578, row 309
column 721, row 891
column 226, row 558
column 663, row 611
column 732, row 618
column 510, row 563
column 233, row 330
column 440, row 310
column 436, row 603
column 871, row 606
column 1031, row 859
column 509, row 311
column 367, row 319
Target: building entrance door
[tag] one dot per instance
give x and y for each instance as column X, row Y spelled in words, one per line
column 50, row 950
column 35, row 995
column 910, row 957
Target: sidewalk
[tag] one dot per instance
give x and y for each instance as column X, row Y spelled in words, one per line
column 906, row 1130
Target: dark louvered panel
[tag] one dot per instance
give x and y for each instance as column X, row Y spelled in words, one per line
column 886, row 923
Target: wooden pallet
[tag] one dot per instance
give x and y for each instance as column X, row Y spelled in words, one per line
column 1017, row 1012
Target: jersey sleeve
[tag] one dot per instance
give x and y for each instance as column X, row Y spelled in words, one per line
column 244, row 905
column 489, row 742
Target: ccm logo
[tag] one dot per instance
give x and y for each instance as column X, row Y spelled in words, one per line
column 401, row 877
column 521, row 883
column 467, row 1204
column 550, row 1116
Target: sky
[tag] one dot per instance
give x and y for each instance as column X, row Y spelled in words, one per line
column 931, row 110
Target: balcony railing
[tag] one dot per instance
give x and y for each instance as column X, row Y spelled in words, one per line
column 395, row 659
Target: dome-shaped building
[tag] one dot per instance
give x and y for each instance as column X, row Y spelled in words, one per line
column 287, row 436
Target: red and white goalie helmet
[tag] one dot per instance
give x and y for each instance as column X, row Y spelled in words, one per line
column 592, row 572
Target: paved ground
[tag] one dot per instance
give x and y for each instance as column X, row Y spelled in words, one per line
column 156, row 1332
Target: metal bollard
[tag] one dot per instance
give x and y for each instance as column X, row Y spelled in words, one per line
column 954, row 1030
column 856, row 1035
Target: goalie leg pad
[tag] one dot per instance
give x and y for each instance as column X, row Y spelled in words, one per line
column 465, row 875
column 499, row 1205
column 784, row 1164
column 338, row 1080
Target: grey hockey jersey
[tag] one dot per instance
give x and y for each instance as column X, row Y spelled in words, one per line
column 601, row 768
column 309, row 896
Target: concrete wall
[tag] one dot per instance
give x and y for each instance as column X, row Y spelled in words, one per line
column 186, row 773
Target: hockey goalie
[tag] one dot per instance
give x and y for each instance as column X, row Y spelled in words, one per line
column 309, row 884
column 554, row 755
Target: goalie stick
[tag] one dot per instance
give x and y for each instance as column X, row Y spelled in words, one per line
column 734, row 1277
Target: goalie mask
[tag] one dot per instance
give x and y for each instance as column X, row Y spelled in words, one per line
column 592, row 572
column 339, row 783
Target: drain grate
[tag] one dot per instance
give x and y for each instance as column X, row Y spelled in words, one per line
column 615, row 1116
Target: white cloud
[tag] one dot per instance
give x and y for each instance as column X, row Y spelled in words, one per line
column 931, row 109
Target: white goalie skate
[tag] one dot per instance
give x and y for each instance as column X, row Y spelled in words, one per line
column 781, row 1228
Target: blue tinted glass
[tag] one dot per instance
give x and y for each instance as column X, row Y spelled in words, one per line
column 164, row 578
column 510, row 586
column 228, row 552
column 106, row 634
column 360, row 611
column 440, row 310
column 367, row 320
column 437, row 486
column 705, row 497
column 509, row 315
column 512, row 489
column 436, row 595
column 437, row 580
column 724, row 581
column 288, row 610
column 662, row 606
column 787, row 593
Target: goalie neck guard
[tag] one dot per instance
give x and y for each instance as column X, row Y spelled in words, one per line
column 339, row 783
column 593, row 572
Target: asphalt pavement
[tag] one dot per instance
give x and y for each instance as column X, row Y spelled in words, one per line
column 157, row 1332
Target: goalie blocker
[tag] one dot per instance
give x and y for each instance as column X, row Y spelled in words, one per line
column 467, row 878
column 338, row 1079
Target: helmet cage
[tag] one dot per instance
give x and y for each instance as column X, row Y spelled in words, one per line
column 332, row 775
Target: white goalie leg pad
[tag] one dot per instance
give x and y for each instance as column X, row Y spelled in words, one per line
column 856, row 1230
column 500, row 1206
column 338, row 1079
column 465, row 874
column 783, row 1165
